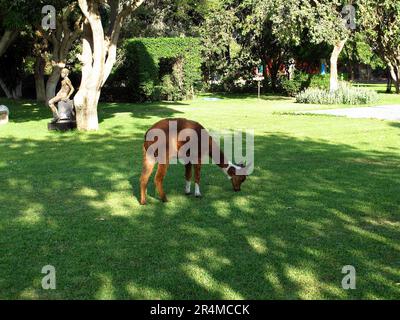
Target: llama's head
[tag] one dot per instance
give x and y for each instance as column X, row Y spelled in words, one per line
column 238, row 174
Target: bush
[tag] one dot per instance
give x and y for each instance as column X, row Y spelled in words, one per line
column 320, row 81
column 344, row 95
column 291, row 87
column 143, row 64
column 302, row 80
column 295, row 85
column 169, row 90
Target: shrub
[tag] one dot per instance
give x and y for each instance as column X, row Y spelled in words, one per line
column 344, row 95
column 168, row 89
column 320, row 81
column 302, row 80
column 295, row 85
column 291, row 87
column 143, row 63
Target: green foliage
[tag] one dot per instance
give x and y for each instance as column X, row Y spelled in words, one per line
column 18, row 14
column 380, row 22
column 344, row 95
column 219, row 45
column 289, row 19
column 143, row 63
column 302, row 80
column 167, row 18
column 358, row 51
column 240, row 35
column 168, row 91
column 293, row 86
column 320, row 81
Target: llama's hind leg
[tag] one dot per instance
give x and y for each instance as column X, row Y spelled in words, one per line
column 148, row 167
column 188, row 177
column 158, row 180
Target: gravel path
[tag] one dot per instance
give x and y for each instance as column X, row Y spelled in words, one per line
column 391, row 112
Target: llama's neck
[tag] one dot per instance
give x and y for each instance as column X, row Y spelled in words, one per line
column 219, row 158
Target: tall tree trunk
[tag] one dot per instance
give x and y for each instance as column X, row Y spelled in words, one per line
column 7, row 91
column 88, row 94
column 351, row 70
column 86, row 110
column 274, row 70
column 369, row 71
column 39, row 79
column 389, row 81
column 6, row 40
column 17, row 91
column 337, row 49
column 395, row 73
column 98, row 56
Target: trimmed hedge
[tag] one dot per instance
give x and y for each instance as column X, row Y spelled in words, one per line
column 151, row 69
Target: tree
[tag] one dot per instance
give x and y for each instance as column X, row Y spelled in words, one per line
column 99, row 51
column 8, row 28
column 217, row 34
column 58, row 42
column 237, row 36
column 168, row 18
column 18, row 65
column 39, row 52
column 258, row 39
column 380, row 20
column 7, row 39
column 321, row 21
column 14, row 16
column 358, row 52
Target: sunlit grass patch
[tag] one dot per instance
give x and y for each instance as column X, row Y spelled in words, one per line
column 324, row 194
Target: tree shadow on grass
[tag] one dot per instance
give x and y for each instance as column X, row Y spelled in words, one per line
column 395, row 124
column 140, row 110
column 33, row 111
column 309, row 209
column 267, row 97
column 26, row 111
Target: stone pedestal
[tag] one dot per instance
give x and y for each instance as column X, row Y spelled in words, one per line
column 61, row 126
column 66, row 110
column 67, row 119
column 4, row 113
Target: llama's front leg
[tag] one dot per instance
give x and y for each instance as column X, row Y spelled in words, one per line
column 197, row 171
column 188, row 177
column 158, row 180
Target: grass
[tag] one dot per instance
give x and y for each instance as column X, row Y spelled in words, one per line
column 385, row 99
column 324, row 194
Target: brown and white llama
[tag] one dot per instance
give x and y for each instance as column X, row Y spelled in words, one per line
column 204, row 147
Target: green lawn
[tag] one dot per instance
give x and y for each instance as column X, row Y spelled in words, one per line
column 325, row 193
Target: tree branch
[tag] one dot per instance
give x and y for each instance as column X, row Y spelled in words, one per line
column 112, row 40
